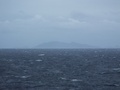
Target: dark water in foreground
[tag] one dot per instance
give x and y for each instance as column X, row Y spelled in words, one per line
column 82, row 69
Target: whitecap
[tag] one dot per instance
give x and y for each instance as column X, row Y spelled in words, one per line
column 116, row 69
column 76, row 80
column 63, row 78
column 39, row 60
column 24, row 77
column 41, row 54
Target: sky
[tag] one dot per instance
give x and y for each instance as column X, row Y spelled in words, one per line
column 28, row 23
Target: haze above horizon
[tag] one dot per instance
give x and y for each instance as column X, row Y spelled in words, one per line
column 27, row 23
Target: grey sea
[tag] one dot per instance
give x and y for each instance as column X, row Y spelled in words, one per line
column 59, row 69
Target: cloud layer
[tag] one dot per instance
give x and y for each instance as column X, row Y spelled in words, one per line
column 26, row 23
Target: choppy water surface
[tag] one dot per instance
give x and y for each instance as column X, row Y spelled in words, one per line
column 62, row 69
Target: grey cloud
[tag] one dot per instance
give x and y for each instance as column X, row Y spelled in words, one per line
column 30, row 22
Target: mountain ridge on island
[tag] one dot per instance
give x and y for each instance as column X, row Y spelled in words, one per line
column 60, row 45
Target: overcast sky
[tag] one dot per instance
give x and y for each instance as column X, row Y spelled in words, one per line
column 28, row 23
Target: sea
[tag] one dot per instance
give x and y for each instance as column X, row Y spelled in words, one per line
column 59, row 69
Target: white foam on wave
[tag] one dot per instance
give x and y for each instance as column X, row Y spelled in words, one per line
column 63, row 78
column 116, row 69
column 39, row 60
column 24, row 77
column 41, row 54
column 76, row 80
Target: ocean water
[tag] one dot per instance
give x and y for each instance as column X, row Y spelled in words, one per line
column 59, row 69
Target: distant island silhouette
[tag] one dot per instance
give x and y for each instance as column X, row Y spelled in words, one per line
column 56, row 44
